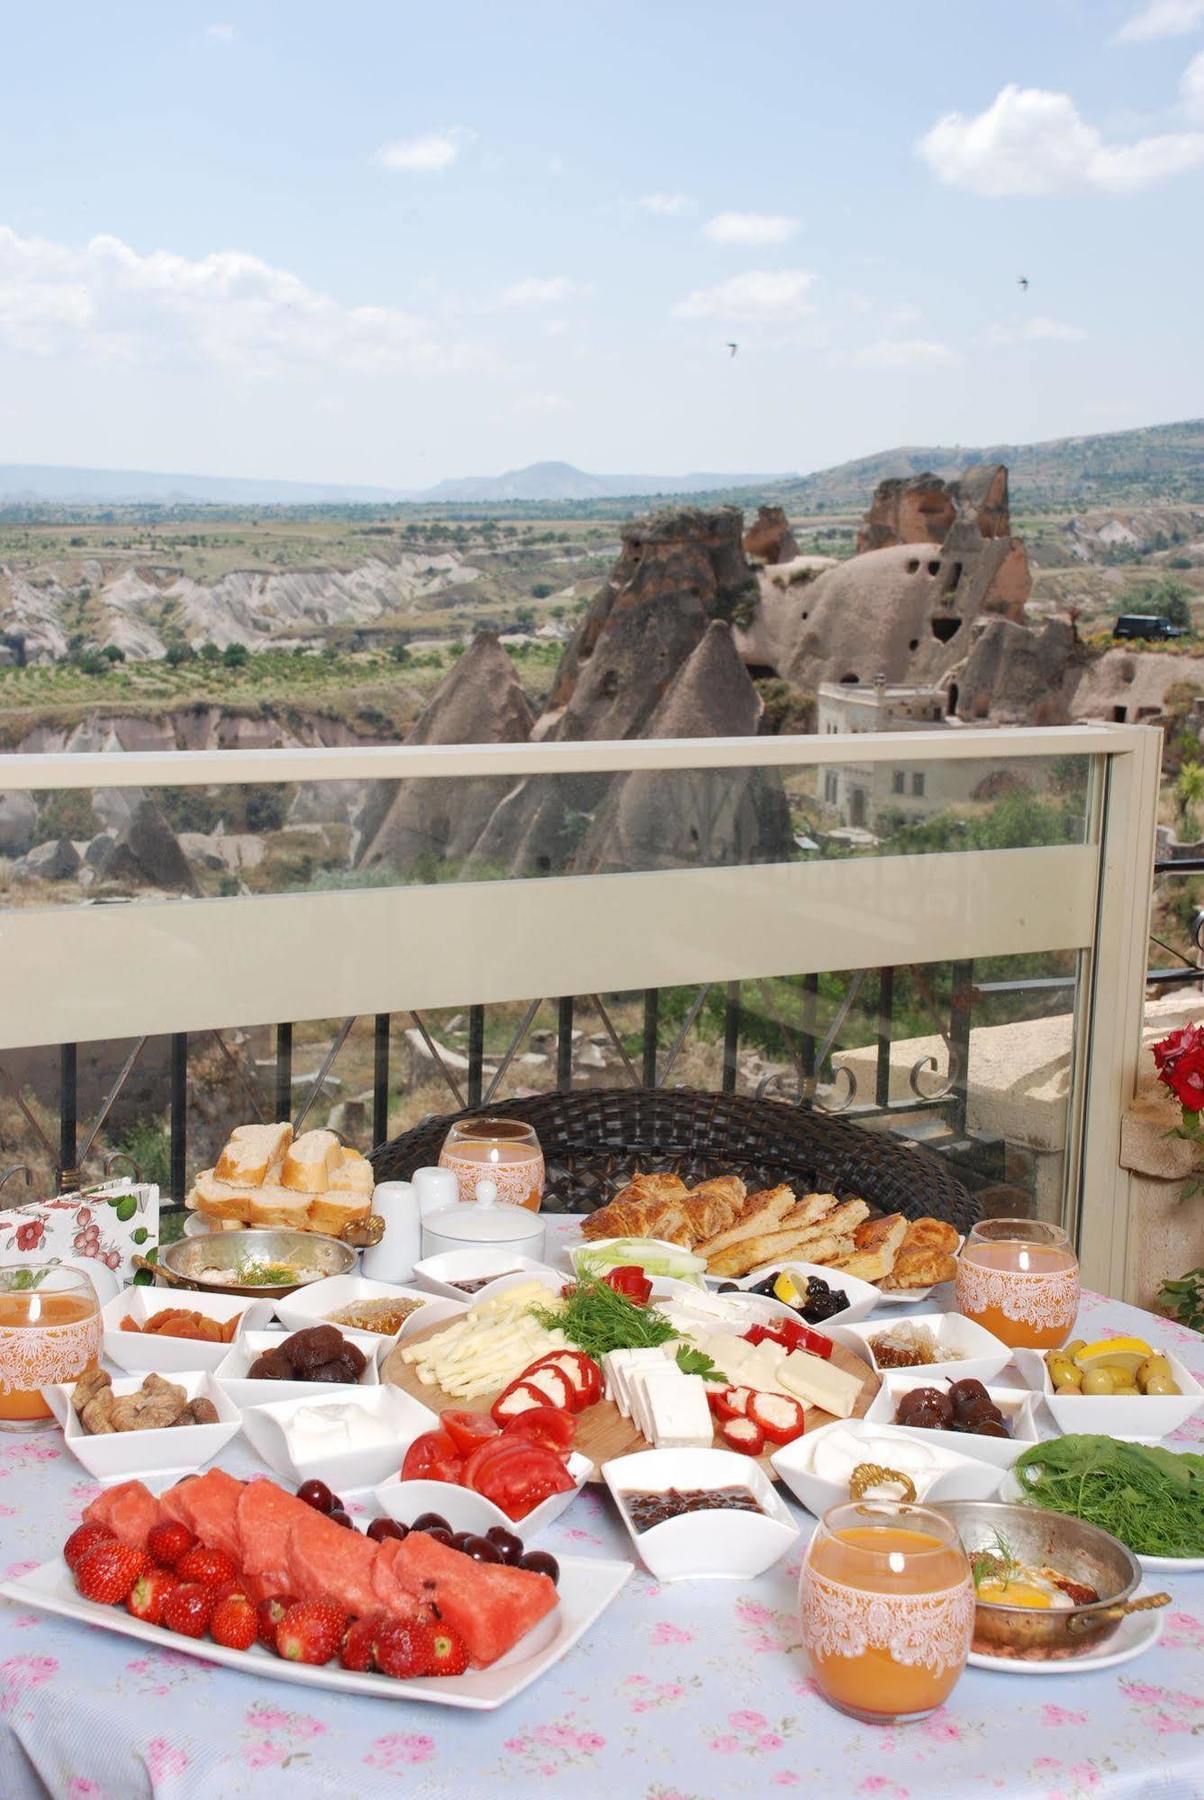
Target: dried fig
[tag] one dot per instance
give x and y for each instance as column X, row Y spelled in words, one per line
column 310, row 1348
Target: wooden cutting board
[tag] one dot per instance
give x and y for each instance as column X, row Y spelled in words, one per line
column 602, row 1431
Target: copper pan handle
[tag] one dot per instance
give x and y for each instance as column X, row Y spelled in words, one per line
column 1085, row 1621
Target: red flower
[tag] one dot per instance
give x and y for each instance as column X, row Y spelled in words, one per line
column 1180, row 1062
column 30, row 1235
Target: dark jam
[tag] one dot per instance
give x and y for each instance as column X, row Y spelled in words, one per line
column 647, row 1510
column 474, row 1287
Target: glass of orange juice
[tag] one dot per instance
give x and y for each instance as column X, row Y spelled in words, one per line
column 887, row 1604
column 50, row 1331
column 507, row 1151
column 1019, row 1279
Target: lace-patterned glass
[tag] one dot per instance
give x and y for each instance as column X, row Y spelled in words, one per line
column 1019, row 1280
column 50, row 1331
column 887, row 1606
column 505, row 1150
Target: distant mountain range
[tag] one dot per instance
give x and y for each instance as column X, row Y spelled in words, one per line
column 1162, row 460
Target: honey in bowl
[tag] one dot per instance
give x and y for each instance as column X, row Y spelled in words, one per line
column 50, row 1332
column 887, row 1605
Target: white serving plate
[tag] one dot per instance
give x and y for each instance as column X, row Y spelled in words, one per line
column 587, row 1587
column 1137, row 1418
column 908, row 1296
column 231, row 1372
column 175, row 1451
column 439, row 1273
column 1012, row 1492
column 164, row 1355
column 404, row 1416
column 1015, row 1404
column 755, row 1309
column 952, row 1476
column 314, row 1303
column 465, row 1510
column 863, row 1296
column 703, row 1545
column 1134, row 1635
column 982, row 1356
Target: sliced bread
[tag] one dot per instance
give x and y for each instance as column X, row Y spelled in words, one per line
column 280, row 1206
column 251, row 1153
column 310, row 1161
column 221, row 1199
column 333, row 1211
column 354, row 1174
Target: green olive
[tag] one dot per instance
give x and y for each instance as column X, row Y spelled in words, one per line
column 1154, row 1367
column 1074, row 1346
column 1063, row 1371
column 1070, row 1388
column 1098, row 1381
column 1162, row 1384
column 1126, row 1388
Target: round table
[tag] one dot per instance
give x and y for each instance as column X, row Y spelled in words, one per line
column 693, row 1691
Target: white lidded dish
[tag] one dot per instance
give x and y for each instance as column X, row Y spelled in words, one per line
column 484, row 1221
column 466, row 1510
column 936, row 1473
column 965, row 1350
column 314, row 1305
column 715, row 1544
column 1137, row 1418
column 162, row 1355
column 1015, row 1404
column 174, row 1450
column 484, row 1263
column 862, row 1296
column 233, row 1373
column 394, row 1417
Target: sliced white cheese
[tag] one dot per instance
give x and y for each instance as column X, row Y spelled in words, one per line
column 680, row 1418
column 819, row 1383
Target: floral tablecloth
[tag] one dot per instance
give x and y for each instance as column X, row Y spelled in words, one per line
column 695, row 1691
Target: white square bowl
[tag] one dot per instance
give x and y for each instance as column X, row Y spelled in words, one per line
column 442, row 1273
column 165, row 1355
column 465, row 1510
column 863, row 1296
column 1137, row 1418
column 951, row 1476
column 314, row 1303
column 135, row 1455
column 1015, row 1404
column 404, row 1417
column 231, row 1372
column 703, row 1545
column 974, row 1353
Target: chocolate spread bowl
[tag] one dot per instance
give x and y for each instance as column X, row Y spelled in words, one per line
column 1041, row 1539
column 181, row 1264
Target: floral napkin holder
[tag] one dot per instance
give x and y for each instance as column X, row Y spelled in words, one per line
column 111, row 1223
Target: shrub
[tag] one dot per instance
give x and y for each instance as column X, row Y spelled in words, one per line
column 236, row 656
column 540, row 590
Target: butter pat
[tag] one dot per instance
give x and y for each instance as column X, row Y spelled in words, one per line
column 333, row 1429
column 819, row 1383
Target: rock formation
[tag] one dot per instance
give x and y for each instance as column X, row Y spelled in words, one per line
column 1013, row 675
column 18, row 822
column 694, row 818
column 479, row 701
column 769, row 538
column 147, row 853
column 783, row 604
column 923, row 508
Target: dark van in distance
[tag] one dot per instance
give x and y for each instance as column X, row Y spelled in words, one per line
column 1146, row 625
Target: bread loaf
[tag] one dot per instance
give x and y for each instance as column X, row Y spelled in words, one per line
column 310, row 1161
column 251, row 1154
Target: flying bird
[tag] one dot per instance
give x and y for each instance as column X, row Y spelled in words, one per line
column 1023, row 283
column 732, row 349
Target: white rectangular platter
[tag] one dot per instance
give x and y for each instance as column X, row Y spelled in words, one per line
column 587, row 1587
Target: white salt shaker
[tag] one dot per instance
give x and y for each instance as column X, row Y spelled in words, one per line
column 400, row 1247
column 436, row 1189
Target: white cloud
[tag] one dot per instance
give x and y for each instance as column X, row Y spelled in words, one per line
column 761, row 294
column 227, row 310
column 1034, row 331
column 540, row 290
column 750, row 228
column 1191, row 86
column 666, row 205
column 426, row 154
column 1031, row 141
column 1160, row 19
column 543, row 403
column 221, row 34
column 905, row 353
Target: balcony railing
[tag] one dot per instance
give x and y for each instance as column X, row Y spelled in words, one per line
column 797, row 946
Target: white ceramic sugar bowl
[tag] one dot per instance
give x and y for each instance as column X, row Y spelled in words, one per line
column 483, row 1221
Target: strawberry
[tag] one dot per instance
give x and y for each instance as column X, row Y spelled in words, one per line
column 404, row 1648
column 311, row 1631
column 269, row 1615
column 146, row 1597
column 448, row 1655
column 234, row 1623
column 84, row 1538
column 108, row 1572
column 168, row 1542
column 358, row 1640
column 188, row 1609
column 211, row 1568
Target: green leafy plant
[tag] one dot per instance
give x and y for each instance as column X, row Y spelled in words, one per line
column 1184, row 1299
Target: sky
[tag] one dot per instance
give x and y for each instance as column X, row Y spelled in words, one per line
column 386, row 243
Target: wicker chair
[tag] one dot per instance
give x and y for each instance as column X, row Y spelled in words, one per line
column 593, row 1139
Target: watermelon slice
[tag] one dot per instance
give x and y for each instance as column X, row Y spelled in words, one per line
column 265, row 1513
column 129, row 1510
column 208, row 1505
column 326, row 1558
column 490, row 1605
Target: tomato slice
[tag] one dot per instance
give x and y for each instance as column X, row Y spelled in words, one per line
column 468, row 1429
column 549, row 1426
column 496, row 1449
column 432, row 1457
column 518, row 1483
